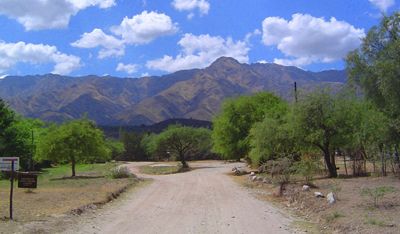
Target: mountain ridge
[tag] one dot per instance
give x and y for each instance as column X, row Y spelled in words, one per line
column 195, row 93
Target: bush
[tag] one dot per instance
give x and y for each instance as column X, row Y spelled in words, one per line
column 276, row 167
column 377, row 193
column 121, row 172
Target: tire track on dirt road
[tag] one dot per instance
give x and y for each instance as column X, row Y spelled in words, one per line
column 204, row 200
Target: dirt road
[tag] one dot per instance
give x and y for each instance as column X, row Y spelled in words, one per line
column 205, row 200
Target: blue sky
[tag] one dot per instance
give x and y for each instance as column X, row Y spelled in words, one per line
column 135, row 38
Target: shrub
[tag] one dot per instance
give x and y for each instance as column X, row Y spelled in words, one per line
column 121, row 172
column 306, row 167
column 377, row 193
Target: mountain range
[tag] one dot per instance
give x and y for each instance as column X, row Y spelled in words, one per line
column 196, row 93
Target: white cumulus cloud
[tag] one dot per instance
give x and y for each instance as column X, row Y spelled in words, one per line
column 112, row 46
column 383, row 5
column 47, row 14
column 188, row 5
column 144, row 28
column 199, row 52
column 128, row 68
column 13, row 53
column 307, row 39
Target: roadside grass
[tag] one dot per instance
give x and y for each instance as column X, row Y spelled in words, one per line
column 160, row 170
column 58, row 193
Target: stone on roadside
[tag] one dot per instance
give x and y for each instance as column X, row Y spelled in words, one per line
column 252, row 173
column 259, row 178
column 305, row 188
column 254, row 178
column 331, row 198
column 266, row 180
column 319, row 194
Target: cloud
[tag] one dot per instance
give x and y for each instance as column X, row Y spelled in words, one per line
column 13, row 53
column 112, row 45
column 199, row 52
column 383, row 5
column 144, row 28
column 48, row 14
column 129, row 68
column 310, row 40
column 188, row 5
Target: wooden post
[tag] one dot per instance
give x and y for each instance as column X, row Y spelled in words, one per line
column 295, row 90
column 12, row 189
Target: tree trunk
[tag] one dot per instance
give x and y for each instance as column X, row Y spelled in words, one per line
column 383, row 164
column 184, row 164
column 331, row 165
column 344, row 162
column 73, row 166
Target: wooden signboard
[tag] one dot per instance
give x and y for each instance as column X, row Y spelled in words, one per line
column 27, row 181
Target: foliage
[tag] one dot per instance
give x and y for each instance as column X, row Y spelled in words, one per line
column 306, row 167
column 375, row 66
column 271, row 138
column 115, row 147
column 377, row 193
column 120, row 172
column 16, row 135
column 76, row 141
column 134, row 150
column 181, row 141
column 322, row 119
column 238, row 114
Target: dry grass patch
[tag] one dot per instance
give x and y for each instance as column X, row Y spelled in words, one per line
column 59, row 194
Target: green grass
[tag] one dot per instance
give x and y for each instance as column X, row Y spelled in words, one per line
column 160, row 170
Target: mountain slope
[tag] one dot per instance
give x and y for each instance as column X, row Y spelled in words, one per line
column 196, row 93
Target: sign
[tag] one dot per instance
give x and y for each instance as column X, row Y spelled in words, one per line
column 27, row 181
column 5, row 163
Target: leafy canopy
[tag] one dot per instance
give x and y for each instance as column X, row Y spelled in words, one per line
column 238, row 114
column 181, row 140
column 76, row 141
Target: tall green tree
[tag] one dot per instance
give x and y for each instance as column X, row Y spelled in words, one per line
column 76, row 141
column 134, row 150
column 238, row 114
column 322, row 119
column 181, row 140
column 375, row 66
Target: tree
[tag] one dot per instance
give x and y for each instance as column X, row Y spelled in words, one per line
column 115, row 147
column 322, row 119
column 271, row 138
column 76, row 141
column 181, row 140
column 238, row 114
column 134, row 150
column 16, row 135
column 375, row 66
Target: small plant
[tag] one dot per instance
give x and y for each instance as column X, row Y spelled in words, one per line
column 29, row 190
column 337, row 214
column 335, row 188
column 120, row 172
column 377, row 193
column 374, row 221
column 307, row 167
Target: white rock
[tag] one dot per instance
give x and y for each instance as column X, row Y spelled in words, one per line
column 318, row 194
column 252, row 173
column 254, row 178
column 331, row 198
column 259, row 178
column 249, row 166
column 306, row 188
